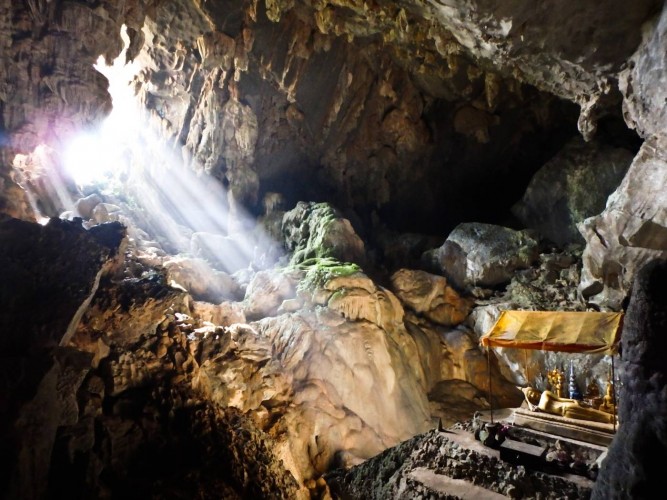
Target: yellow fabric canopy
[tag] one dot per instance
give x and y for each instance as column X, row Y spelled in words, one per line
column 584, row 332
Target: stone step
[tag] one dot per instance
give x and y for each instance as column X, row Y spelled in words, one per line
column 445, row 485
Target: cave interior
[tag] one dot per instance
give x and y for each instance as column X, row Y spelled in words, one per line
column 248, row 248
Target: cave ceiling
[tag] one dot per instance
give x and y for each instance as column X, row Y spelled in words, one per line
column 422, row 113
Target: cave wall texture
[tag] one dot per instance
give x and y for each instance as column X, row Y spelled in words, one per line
column 409, row 117
column 420, row 113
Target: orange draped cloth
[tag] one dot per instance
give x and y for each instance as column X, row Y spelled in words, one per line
column 566, row 331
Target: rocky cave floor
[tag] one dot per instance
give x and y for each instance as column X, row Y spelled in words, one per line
column 147, row 425
column 145, row 433
column 453, row 464
column 143, row 419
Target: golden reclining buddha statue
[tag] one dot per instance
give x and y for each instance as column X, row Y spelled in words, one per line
column 549, row 402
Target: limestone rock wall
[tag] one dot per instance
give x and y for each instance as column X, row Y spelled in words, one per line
column 630, row 231
column 366, row 103
column 571, row 187
column 631, row 468
column 556, row 47
column 641, row 81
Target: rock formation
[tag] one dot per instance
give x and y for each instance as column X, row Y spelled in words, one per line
column 571, row 187
column 445, row 465
column 483, row 255
column 50, row 274
column 631, row 469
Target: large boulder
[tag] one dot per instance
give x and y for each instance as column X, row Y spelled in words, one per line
column 430, row 295
column 317, row 230
column 484, row 255
column 572, row 186
column 225, row 253
column 84, row 207
column 631, row 231
column 266, row 292
column 201, row 280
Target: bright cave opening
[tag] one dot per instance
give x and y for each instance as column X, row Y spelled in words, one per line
column 121, row 170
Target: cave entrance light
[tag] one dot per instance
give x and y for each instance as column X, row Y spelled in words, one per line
column 177, row 207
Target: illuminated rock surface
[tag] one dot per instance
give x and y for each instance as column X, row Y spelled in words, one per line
column 630, row 231
column 429, row 295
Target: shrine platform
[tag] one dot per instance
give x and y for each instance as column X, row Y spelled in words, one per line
column 584, row 431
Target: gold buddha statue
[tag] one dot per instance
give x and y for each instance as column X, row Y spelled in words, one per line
column 592, row 394
column 549, row 402
column 555, row 378
column 608, row 399
column 592, row 390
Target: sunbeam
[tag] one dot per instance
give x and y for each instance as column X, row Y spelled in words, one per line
column 180, row 208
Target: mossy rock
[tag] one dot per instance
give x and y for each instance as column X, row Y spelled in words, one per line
column 318, row 230
column 319, row 271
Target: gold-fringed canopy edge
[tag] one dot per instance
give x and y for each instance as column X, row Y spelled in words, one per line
column 563, row 331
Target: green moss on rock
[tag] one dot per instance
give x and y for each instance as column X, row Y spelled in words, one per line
column 320, row 270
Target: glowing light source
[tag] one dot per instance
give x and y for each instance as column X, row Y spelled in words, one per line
column 95, row 155
column 85, row 160
column 183, row 211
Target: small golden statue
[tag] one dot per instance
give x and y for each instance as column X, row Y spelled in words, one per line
column 608, row 399
column 592, row 390
column 592, row 395
column 555, row 378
